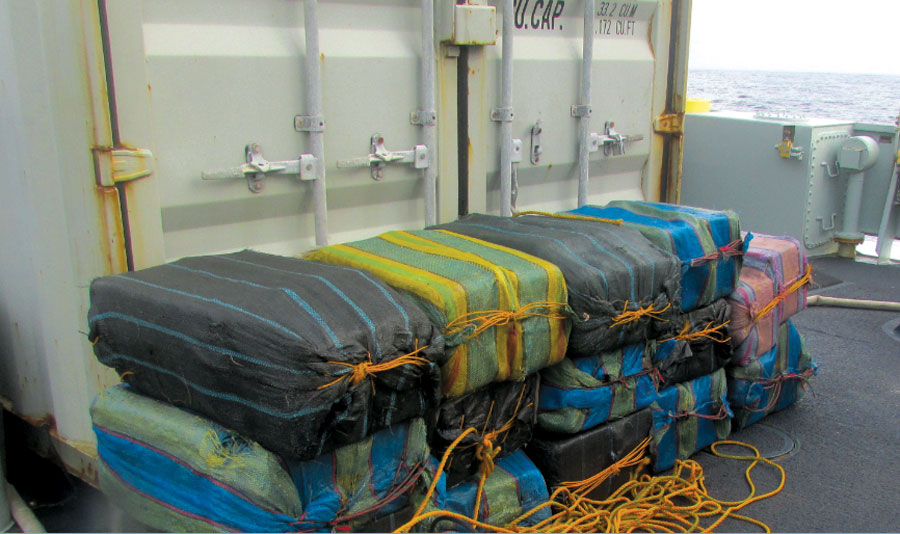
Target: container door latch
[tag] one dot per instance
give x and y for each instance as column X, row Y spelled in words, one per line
column 121, row 164
column 257, row 168
column 380, row 156
column 613, row 142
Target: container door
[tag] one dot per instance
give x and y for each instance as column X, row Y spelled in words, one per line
column 209, row 85
column 628, row 93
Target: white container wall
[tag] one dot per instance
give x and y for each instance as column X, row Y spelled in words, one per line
column 111, row 112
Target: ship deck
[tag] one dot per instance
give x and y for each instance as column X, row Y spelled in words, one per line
column 838, row 445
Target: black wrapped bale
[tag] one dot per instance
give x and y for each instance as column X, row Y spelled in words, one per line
column 567, row 458
column 502, row 413
column 618, row 281
column 695, row 344
column 300, row 356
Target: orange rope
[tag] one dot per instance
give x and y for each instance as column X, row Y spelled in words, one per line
column 632, row 459
column 617, row 222
column 807, row 278
column 671, row 503
column 628, row 316
column 361, row 371
column 775, row 385
column 710, row 332
column 482, row 320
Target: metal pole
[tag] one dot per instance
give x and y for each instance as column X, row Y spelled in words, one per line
column 313, row 68
column 585, row 121
column 426, row 97
column 506, row 102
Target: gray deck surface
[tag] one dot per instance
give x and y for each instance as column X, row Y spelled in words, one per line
column 844, row 473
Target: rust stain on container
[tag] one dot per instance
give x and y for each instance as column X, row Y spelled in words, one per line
column 110, row 235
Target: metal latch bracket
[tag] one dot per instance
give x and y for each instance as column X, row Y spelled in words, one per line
column 380, row 156
column 121, row 164
column 309, row 123
column 257, row 168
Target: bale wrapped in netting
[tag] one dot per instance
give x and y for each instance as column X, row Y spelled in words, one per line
column 707, row 242
column 772, row 382
column 503, row 416
column 503, row 313
column 569, row 459
column 689, row 417
column 300, row 356
column 618, row 282
column 515, row 486
column 180, row 472
column 580, row 393
column 772, row 288
column 695, row 344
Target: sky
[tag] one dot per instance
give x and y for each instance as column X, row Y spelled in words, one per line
column 859, row 36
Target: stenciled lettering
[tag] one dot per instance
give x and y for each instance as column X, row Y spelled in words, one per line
column 538, row 14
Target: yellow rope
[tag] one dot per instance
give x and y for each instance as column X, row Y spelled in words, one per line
column 678, row 502
column 628, row 316
column 482, row 320
column 710, row 332
column 617, row 222
column 361, row 371
column 807, row 278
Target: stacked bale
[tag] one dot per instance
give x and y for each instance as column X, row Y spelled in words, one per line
column 504, row 315
column 621, row 287
column 770, row 365
column 301, row 358
column 692, row 348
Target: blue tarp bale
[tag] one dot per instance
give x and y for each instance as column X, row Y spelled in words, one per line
column 580, row 393
column 707, row 242
column 774, row 381
column 177, row 471
column 688, row 417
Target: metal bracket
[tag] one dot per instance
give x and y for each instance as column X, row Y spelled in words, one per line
column 613, row 142
column 822, row 222
column 516, row 151
column 536, row 148
column 257, row 168
column 380, row 156
column 669, row 123
column 786, row 149
column 502, row 114
column 837, row 169
column 582, row 110
column 423, row 117
column 118, row 165
column 309, row 123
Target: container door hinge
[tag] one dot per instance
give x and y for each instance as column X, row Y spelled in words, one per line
column 669, row 123
column 121, row 164
column 257, row 168
column 380, row 156
column 613, row 142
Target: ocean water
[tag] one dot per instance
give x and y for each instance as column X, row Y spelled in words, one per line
column 856, row 97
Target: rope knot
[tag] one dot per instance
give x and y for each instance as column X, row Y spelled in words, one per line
column 735, row 248
column 779, row 298
column 629, row 316
column 711, row 331
column 363, row 370
column 475, row 323
column 485, row 453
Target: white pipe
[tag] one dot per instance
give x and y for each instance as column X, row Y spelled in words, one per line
column 23, row 515
column 313, row 72
column 506, row 102
column 886, row 305
column 426, row 97
column 585, row 121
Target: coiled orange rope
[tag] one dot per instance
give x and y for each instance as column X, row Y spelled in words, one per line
column 617, row 222
column 482, row 320
column 805, row 279
column 679, row 502
column 361, row 371
column 629, row 316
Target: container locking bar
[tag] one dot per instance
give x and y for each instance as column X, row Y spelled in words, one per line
column 380, row 156
column 257, row 168
column 613, row 142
